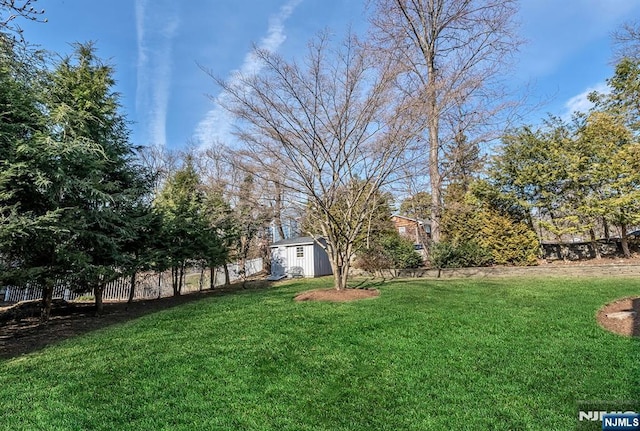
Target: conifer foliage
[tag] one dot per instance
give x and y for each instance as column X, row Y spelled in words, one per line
column 72, row 197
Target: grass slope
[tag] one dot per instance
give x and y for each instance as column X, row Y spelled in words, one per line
column 426, row 355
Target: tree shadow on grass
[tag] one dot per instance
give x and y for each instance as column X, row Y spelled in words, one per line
column 28, row 335
column 368, row 283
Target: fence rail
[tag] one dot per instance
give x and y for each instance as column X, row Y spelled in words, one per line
column 147, row 286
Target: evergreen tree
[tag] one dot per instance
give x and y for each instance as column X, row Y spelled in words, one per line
column 36, row 226
column 106, row 203
column 222, row 232
column 187, row 236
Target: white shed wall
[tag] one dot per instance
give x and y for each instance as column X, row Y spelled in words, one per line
column 305, row 262
column 314, row 262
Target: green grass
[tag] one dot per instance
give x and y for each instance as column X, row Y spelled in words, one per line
column 425, row 355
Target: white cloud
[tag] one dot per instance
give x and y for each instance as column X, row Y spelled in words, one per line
column 580, row 102
column 156, row 28
column 217, row 125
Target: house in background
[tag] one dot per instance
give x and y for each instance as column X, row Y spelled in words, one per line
column 299, row 257
column 418, row 231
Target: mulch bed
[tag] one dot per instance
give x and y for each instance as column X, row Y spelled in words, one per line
column 621, row 317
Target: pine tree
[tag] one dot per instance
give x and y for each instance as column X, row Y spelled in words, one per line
column 107, row 198
column 35, row 228
column 186, row 232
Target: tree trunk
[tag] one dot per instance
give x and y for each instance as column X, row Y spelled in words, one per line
column 201, row 281
column 345, row 274
column 47, row 299
column 338, row 278
column 132, row 290
column 212, row 281
column 594, row 244
column 435, row 210
column 265, row 253
column 243, row 269
column 97, row 293
column 159, row 285
column 605, row 226
column 278, row 210
column 340, row 267
column 433, row 124
column 180, row 279
column 227, row 278
column 624, row 241
column 175, row 272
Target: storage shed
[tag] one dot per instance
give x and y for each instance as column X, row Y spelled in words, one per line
column 299, row 257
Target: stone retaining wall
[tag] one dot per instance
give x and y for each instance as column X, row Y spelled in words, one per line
column 585, row 250
column 604, row 270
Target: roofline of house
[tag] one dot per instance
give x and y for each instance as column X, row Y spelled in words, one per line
column 411, row 219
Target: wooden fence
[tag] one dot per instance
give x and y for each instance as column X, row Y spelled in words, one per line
column 63, row 289
column 148, row 285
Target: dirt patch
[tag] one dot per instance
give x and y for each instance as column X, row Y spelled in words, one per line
column 333, row 295
column 621, row 317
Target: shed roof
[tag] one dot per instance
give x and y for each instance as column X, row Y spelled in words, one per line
column 301, row 240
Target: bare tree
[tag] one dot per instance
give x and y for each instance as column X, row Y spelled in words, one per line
column 627, row 42
column 250, row 203
column 450, row 55
column 331, row 131
column 12, row 9
column 161, row 162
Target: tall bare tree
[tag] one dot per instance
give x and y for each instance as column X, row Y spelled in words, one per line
column 627, row 42
column 330, row 130
column 450, row 55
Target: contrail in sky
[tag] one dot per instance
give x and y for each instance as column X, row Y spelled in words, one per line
column 217, row 124
column 156, row 26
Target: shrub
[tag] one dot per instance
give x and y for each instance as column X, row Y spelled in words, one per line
column 466, row 254
column 487, row 236
column 401, row 252
column 511, row 243
column 372, row 260
column 391, row 252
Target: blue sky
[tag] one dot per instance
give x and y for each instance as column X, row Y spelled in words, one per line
column 158, row 46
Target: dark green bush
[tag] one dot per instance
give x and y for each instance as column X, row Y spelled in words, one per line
column 392, row 252
column 401, row 252
column 466, row 254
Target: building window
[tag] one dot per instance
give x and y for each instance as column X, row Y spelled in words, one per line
column 402, row 229
column 300, row 252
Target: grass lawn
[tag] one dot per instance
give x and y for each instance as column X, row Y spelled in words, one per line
column 426, row 355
